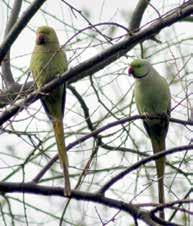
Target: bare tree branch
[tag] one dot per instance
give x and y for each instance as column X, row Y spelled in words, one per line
column 100, row 130
column 187, row 19
column 6, row 69
column 18, row 27
column 103, row 59
column 135, row 211
column 92, row 142
column 142, row 162
column 170, row 205
column 180, row 203
column 138, row 14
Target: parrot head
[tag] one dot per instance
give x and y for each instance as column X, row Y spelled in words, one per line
column 139, row 68
column 46, row 36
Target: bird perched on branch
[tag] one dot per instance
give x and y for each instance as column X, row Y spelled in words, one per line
column 152, row 96
column 47, row 62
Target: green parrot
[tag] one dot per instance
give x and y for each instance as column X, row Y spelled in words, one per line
column 47, row 62
column 152, row 96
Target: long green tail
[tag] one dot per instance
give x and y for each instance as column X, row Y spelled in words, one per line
column 160, row 167
column 59, row 135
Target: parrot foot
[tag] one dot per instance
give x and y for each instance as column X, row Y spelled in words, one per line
column 43, row 93
column 147, row 115
column 162, row 116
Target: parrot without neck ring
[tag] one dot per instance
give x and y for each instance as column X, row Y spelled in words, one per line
column 47, row 62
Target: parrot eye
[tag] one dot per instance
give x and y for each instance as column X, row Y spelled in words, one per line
column 138, row 65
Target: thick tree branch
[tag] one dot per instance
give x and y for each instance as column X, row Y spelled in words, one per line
column 187, row 19
column 6, row 69
column 103, row 59
column 135, row 211
column 98, row 131
column 138, row 14
column 18, row 27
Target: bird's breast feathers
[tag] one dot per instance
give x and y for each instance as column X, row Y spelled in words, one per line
column 47, row 66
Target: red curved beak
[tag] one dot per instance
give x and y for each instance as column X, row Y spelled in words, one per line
column 40, row 39
column 130, row 71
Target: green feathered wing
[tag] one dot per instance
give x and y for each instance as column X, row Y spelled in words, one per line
column 47, row 62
